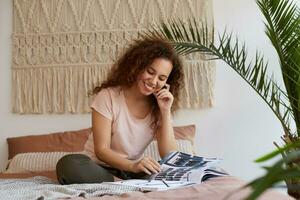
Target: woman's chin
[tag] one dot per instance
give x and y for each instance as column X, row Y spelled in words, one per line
column 147, row 93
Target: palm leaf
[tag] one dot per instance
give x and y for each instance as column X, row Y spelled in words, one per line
column 192, row 37
column 275, row 174
column 278, row 151
column 282, row 28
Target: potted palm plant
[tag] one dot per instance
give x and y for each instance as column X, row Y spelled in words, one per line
column 282, row 22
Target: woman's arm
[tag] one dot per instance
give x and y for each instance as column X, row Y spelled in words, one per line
column 102, row 139
column 165, row 134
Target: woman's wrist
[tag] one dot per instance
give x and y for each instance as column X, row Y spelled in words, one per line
column 166, row 114
column 131, row 166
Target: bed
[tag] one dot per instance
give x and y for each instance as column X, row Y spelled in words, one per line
column 30, row 173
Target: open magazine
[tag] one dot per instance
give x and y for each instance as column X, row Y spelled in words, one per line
column 178, row 169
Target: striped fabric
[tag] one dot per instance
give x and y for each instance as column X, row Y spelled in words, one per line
column 184, row 146
column 34, row 162
column 46, row 161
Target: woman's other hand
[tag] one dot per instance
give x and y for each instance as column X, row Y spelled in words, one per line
column 147, row 165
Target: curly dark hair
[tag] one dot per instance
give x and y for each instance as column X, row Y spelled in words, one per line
column 137, row 57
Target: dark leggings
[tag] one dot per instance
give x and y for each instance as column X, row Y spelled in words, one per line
column 79, row 168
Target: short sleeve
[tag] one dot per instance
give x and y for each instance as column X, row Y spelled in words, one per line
column 103, row 104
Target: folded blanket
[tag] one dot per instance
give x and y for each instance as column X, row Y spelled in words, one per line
column 42, row 188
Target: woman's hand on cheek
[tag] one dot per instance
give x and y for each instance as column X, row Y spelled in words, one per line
column 164, row 99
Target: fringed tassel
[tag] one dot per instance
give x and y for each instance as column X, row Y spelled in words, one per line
column 55, row 90
column 199, row 77
column 66, row 89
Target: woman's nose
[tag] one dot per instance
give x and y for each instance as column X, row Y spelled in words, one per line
column 154, row 81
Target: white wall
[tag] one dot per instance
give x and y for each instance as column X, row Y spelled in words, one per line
column 239, row 128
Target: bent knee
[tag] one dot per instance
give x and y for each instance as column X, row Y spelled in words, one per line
column 71, row 159
column 70, row 165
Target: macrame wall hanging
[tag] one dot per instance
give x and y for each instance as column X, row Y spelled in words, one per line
column 63, row 48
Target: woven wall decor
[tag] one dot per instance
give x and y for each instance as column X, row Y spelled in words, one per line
column 63, row 48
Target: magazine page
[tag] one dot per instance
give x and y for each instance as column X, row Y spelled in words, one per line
column 180, row 166
column 177, row 170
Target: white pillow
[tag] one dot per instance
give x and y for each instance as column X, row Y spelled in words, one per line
column 46, row 161
column 34, row 162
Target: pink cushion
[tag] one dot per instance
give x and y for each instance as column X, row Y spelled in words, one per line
column 68, row 141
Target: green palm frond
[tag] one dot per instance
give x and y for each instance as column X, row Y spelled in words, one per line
column 279, row 150
column 192, row 37
column 283, row 29
column 275, row 174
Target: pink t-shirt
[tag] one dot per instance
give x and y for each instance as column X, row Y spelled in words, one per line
column 130, row 136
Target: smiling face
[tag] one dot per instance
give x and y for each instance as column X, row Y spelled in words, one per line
column 154, row 77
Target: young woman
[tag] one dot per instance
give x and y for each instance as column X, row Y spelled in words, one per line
column 134, row 105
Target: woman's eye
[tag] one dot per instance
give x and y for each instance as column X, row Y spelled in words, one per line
column 150, row 72
column 162, row 79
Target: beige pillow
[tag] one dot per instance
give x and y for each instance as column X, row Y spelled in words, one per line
column 35, row 162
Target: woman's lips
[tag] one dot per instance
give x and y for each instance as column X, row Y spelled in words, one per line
column 149, row 87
